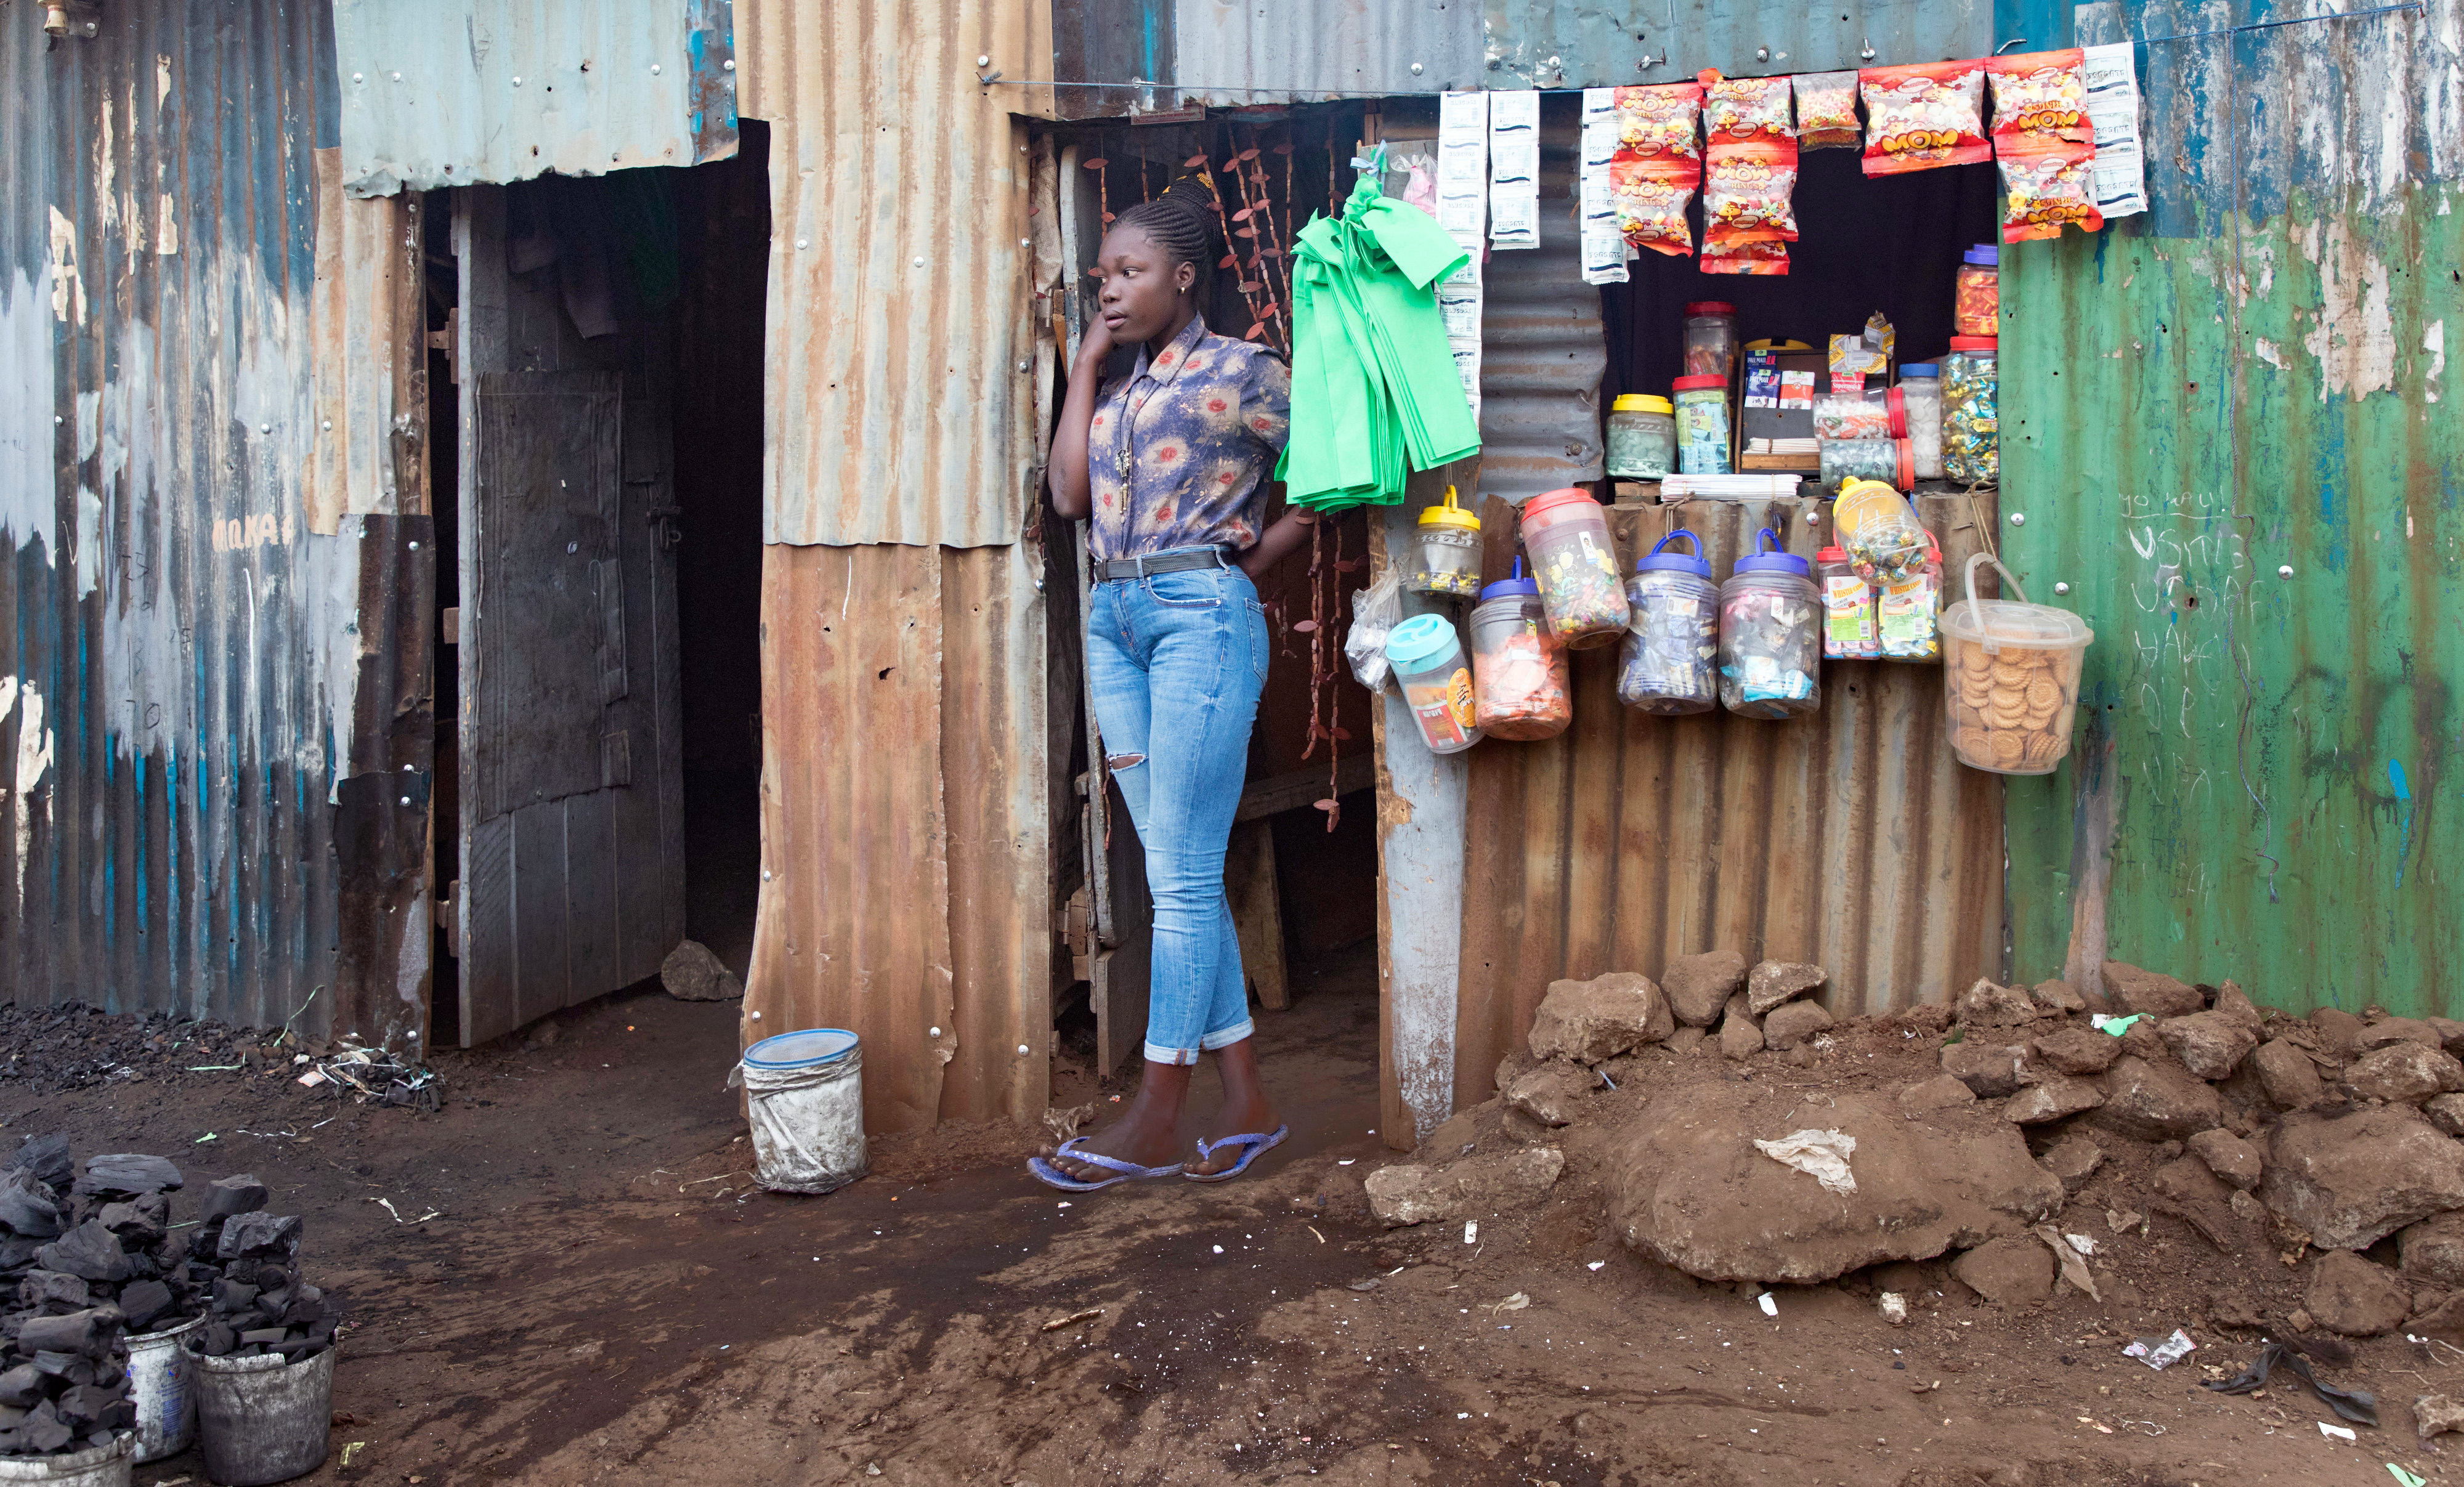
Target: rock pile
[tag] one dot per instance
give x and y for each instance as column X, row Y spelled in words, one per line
column 2309, row 1139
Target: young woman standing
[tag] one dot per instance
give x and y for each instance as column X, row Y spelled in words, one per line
column 1170, row 465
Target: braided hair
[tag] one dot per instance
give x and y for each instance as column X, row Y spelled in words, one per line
column 1182, row 226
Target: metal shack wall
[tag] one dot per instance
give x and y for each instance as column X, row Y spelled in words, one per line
column 205, row 707
column 2195, row 402
column 906, row 859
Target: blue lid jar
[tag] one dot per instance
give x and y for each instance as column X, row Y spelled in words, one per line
column 1660, row 560
column 1421, row 643
column 1766, row 557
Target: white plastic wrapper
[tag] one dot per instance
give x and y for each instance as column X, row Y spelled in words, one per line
column 1378, row 610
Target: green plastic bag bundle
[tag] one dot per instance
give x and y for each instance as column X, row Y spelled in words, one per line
column 1374, row 392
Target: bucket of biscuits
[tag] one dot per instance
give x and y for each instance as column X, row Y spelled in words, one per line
column 2011, row 678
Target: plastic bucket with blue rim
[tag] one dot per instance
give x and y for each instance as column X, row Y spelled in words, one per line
column 805, row 1093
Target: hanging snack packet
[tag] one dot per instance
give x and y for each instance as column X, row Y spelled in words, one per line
column 1923, row 115
column 1650, row 195
column 2042, row 93
column 1659, row 119
column 1756, row 258
column 2048, row 181
column 1744, row 108
column 1826, row 111
column 1748, row 192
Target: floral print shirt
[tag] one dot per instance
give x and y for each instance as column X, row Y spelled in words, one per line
column 1179, row 451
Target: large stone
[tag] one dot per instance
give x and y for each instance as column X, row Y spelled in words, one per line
column 2058, row 996
column 128, row 1175
column 89, row 1251
column 1687, row 1186
column 2348, row 1294
column 1775, row 981
column 2435, row 1414
column 1699, row 986
column 48, row 1158
column 1792, row 1024
column 1550, row 1093
column 2351, row 1180
column 2450, row 1033
column 2288, row 1076
column 1990, row 1069
column 2142, row 1040
column 1941, row 1092
column 692, row 973
column 2397, row 1030
column 2445, row 1112
column 2234, row 1003
column 2074, row 1159
column 2432, row 1250
column 2150, row 991
column 1741, row 1037
column 28, row 1207
column 2230, row 1158
column 2015, row 1270
column 2341, row 1029
column 2080, row 1050
column 1476, row 1186
column 2187, row 1180
column 1599, row 1018
column 2403, row 1073
column 2157, row 1101
column 2051, row 1098
column 2211, row 1044
column 1985, row 1004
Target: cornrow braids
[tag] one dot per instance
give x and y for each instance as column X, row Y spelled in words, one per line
column 1179, row 224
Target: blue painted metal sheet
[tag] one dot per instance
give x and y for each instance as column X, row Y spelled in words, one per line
column 205, row 705
column 460, row 92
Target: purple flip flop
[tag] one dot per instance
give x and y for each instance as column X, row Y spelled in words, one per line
column 1053, row 1176
column 1259, row 1146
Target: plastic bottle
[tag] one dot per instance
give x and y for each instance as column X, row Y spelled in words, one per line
column 1770, row 635
column 1641, row 438
column 1976, row 295
column 1448, row 544
column 1849, row 628
column 1518, row 668
column 1972, row 425
column 1667, row 664
column 1428, row 661
column 1879, row 531
column 1920, row 393
column 1710, row 339
column 1703, row 425
column 1576, row 562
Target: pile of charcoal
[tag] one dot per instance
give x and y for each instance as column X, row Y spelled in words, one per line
column 105, row 1263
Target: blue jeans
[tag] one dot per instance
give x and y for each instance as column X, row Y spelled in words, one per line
column 1175, row 661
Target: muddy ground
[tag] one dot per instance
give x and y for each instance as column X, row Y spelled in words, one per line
column 601, row 1297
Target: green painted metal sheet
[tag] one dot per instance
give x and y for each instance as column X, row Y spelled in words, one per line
column 2261, row 785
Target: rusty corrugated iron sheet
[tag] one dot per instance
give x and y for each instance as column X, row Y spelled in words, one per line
column 2235, row 434
column 905, row 873
column 1582, row 44
column 369, row 323
column 214, row 718
column 1542, row 345
column 1851, row 837
column 899, row 340
column 1314, row 49
column 459, row 92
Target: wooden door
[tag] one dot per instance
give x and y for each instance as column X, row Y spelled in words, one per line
column 571, row 769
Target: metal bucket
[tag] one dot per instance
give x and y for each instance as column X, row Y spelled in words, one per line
column 261, row 1420
column 96, row 1466
column 159, row 1380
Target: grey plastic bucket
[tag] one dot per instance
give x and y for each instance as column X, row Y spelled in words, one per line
column 161, row 1380
column 96, row 1466
column 261, row 1420
column 805, row 1094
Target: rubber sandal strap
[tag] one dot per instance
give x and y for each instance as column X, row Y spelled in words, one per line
column 1112, row 1164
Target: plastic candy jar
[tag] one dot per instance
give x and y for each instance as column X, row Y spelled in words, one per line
column 1908, row 612
column 2012, row 678
column 1667, row 664
column 1571, row 556
column 1448, row 541
column 1770, row 635
column 1703, row 425
column 1849, row 628
column 1976, row 295
column 1710, row 339
column 1920, row 391
column 1972, row 427
column 1881, row 532
column 1518, row 667
column 1890, row 461
column 1428, row 661
column 1642, row 437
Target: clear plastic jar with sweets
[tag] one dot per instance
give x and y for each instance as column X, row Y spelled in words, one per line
column 1770, row 635
column 1920, row 392
column 1703, row 425
column 1972, row 425
column 1710, row 339
column 1641, row 438
column 1519, row 673
column 1574, row 560
column 1668, row 662
column 1976, row 293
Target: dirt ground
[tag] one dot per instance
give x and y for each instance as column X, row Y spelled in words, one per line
column 577, row 1284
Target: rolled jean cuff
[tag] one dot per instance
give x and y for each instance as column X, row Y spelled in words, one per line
column 1211, row 1042
column 1155, row 1054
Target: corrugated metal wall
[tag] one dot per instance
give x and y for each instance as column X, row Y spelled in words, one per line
column 218, row 792
column 1235, row 53
column 2196, row 400
column 906, row 810
column 1852, row 838
column 898, row 337
column 456, row 94
column 1581, row 44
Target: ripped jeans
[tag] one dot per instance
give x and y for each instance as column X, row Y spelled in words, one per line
column 1174, row 663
